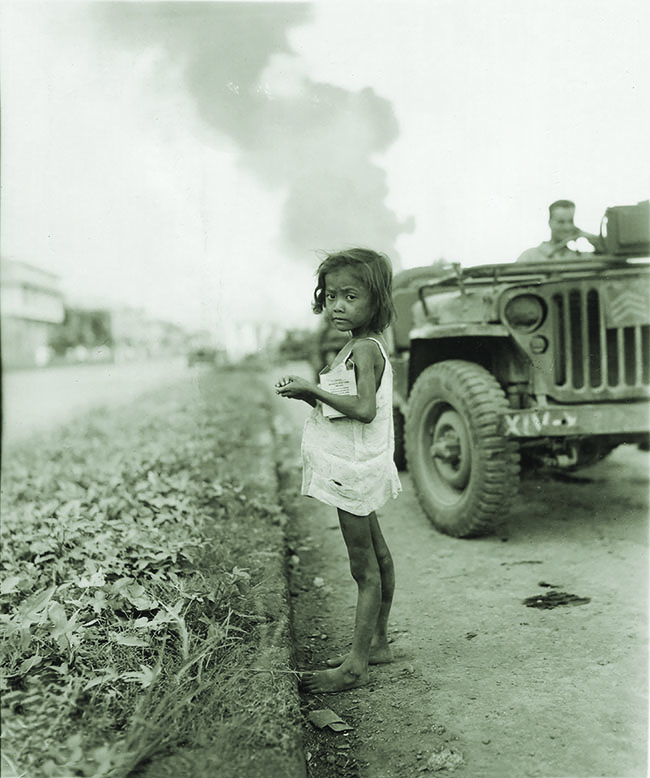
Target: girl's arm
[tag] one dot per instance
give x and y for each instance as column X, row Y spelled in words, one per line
column 361, row 406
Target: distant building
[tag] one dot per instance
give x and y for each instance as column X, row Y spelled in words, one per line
column 41, row 326
column 31, row 307
column 136, row 335
column 164, row 337
column 128, row 327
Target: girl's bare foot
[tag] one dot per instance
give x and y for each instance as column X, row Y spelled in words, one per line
column 381, row 655
column 337, row 680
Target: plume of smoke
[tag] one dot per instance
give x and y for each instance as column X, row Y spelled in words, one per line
column 313, row 140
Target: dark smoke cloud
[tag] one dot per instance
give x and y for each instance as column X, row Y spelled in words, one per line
column 317, row 143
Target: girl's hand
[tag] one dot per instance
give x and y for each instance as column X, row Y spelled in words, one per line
column 296, row 388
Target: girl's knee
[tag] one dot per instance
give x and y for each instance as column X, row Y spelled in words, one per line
column 365, row 570
column 384, row 558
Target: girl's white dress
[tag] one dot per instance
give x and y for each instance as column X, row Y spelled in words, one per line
column 349, row 464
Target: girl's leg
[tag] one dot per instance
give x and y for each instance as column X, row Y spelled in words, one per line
column 364, row 567
column 380, row 650
column 380, row 647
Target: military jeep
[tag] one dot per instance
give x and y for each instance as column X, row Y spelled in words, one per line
column 520, row 365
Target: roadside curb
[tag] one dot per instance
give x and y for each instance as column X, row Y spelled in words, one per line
column 275, row 656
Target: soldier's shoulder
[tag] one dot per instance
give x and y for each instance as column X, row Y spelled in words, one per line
column 536, row 253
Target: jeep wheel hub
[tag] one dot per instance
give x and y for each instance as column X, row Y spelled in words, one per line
column 450, row 449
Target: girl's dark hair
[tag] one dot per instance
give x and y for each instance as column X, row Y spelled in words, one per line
column 373, row 269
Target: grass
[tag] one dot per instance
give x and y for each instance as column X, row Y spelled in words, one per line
column 135, row 592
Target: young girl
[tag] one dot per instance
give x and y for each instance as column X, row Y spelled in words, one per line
column 348, row 460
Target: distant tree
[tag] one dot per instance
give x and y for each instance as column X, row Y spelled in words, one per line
column 81, row 328
column 298, row 344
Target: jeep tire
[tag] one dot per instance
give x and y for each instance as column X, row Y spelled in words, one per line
column 464, row 472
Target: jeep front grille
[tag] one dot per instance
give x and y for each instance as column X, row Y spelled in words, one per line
column 596, row 352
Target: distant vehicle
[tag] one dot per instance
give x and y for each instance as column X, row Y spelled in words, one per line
column 327, row 343
column 524, row 364
column 203, row 354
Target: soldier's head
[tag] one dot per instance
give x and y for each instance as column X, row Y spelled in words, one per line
column 560, row 220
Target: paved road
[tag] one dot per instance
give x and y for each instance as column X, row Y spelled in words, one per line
column 36, row 400
column 509, row 690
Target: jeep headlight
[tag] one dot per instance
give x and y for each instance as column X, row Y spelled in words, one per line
column 525, row 312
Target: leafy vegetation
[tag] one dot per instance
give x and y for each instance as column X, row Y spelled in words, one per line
column 134, row 545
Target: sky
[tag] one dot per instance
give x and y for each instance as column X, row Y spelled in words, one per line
column 196, row 159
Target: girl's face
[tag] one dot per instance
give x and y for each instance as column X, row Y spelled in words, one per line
column 348, row 302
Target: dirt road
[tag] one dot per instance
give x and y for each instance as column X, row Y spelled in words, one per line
column 36, row 400
column 483, row 686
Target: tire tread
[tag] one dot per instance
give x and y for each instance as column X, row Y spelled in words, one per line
column 480, row 392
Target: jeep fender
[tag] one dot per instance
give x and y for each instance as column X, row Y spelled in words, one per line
column 489, row 346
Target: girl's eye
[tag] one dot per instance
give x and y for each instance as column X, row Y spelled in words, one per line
column 351, row 297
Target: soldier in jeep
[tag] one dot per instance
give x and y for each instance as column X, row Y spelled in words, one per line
column 563, row 230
